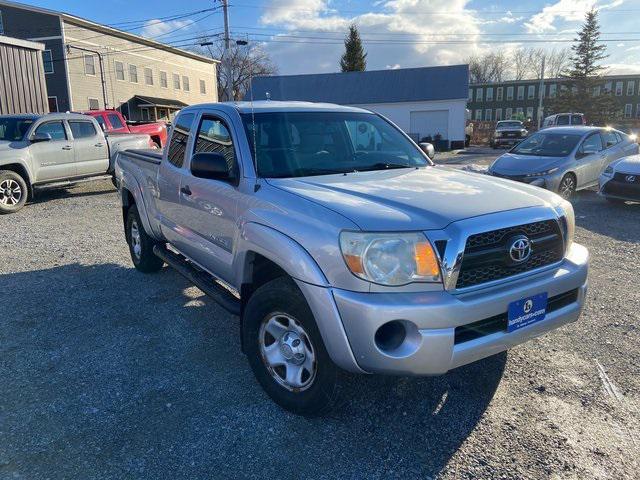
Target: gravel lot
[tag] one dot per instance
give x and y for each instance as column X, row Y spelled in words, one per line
column 109, row 374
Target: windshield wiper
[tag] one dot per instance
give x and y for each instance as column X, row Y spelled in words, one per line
column 383, row 166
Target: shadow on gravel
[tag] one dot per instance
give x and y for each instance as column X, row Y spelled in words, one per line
column 108, row 373
column 618, row 221
column 100, row 188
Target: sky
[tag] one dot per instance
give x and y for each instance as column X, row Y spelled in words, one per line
column 305, row 36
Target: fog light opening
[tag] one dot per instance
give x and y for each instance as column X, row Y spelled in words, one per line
column 390, row 336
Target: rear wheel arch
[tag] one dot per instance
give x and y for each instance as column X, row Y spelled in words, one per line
column 23, row 172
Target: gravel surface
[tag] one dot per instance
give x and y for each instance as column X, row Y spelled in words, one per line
column 109, row 374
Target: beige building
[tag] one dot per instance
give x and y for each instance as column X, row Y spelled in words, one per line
column 89, row 66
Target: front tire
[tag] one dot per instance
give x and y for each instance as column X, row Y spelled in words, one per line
column 140, row 244
column 286, row 351
column 567, row 187
column 13, row 192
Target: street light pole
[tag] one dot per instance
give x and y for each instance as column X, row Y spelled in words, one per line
column 541, row 92
column 227, row 51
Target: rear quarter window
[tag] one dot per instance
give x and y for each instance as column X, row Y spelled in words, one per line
column 562, row 120
column 115, row 121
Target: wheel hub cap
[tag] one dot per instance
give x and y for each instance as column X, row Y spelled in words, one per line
column 292, row 348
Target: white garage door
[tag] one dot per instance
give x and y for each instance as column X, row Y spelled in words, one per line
column 430, row 123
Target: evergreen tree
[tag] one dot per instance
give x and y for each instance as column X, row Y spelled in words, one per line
column 577, row 93
column 354, row 58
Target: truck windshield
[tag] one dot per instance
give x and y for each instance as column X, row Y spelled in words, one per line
column 14, row 129
column 298, row 144
column 548, row 145
column 509, row 125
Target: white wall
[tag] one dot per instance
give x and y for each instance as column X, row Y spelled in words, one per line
column 400, row 114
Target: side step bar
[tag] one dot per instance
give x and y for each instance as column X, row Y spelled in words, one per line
column 200, row 279
column 71, row 182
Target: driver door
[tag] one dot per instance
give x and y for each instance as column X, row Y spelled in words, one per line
column 53, row 159
column 590, row 160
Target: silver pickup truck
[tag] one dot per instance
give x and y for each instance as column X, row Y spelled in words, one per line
column 54, row 150
column 343, row 248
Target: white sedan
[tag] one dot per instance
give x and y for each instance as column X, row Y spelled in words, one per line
column 621, row 180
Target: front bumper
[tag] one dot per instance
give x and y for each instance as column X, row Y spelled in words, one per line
column 431, row 319
column 509, row 141
column 612, row 188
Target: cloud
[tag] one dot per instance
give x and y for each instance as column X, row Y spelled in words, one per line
column 153, row 28
column 411, row 24
column 395, row 66
column 631, row 68
column 566, row 10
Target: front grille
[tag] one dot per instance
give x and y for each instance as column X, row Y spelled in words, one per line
column 622, row 177
column 498, row 323
column 622, row 189
column 486, row 255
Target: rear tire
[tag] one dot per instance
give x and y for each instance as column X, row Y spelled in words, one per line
column 13, row 192
column 286, row 352
column 140, row 244
column 567, row 187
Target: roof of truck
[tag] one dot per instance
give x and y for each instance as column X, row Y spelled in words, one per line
column 266, row 106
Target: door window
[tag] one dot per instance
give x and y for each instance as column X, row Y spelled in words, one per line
column 179, row 139
column 592, row 144
column 562, row 120
column 81, row 129
column 609, row 138
column 214, row 136
column 115, row 121
column 55, row 129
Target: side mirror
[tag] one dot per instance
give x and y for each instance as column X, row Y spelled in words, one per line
column 428, row 149
column 41, row 137
column 211, row 165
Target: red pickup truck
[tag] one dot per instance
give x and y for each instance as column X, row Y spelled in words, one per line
column 112, row 121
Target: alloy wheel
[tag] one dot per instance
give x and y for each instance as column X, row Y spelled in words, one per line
column 567, row 187
column 10, row 192
column 287, row 352
column 136, row 242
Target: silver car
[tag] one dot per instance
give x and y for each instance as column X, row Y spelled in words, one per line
column 564, row 159
column 621, row 180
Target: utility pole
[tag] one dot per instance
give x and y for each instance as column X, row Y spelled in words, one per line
column 227, row 51
column 541, row 92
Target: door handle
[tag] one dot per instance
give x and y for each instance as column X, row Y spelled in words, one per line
column 185, row 190
column 98, row 145
column 66, row 147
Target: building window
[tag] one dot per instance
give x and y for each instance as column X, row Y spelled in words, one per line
column 530, row 112
column 1, row 25
column 164, row 83
column 89, row 65
column 176, row 81
column 519, row 112
column 148, row 76
column 618, row 89
column 119, row 70
column 531, row 92
column 499, row 93
column 638, row 110
column 133, row 74
column 597, row 90
column 631, row 88
column 203, row 87
column 185, row 83
column 94, row 104
column 487, row 114
column 47, row 61
column 53, row 104
column 479, row 94
column 471, row 94
column 509, row 93
column 498, row 114
column 628, row 110
column 521, row 92
column 144, row 114
column 553, row 90
column 479, row 115
column 607, row 87
column 490, row 94
column 508, row 113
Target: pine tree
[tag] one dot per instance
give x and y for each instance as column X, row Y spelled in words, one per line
column 577, row 91
column 354, row 58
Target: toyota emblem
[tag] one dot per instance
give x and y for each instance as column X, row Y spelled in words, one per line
column 630, row 178
column 520, row 249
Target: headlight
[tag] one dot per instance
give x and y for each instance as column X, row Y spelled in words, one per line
column 567, row 222
column 542, row 174
column 390, row 258
column 497, row 134
column 609, row 171
column 523, row 133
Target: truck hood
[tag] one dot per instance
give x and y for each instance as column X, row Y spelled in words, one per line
column 412, row 199
column 510, row 163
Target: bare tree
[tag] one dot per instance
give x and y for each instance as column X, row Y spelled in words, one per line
column 558, row 62
column 246, row 62
column 490, row 67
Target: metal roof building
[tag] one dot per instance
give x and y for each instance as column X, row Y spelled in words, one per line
column 424, row 102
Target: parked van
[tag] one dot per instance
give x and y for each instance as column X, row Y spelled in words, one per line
column 564, row 119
